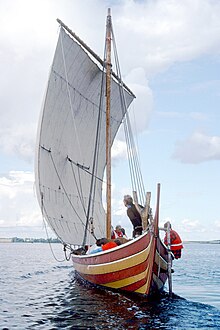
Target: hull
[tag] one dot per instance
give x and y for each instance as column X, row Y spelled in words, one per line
column 138, row 266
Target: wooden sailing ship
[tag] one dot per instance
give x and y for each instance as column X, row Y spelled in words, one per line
column 84, row 106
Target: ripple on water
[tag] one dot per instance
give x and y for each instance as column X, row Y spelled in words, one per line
column 38, row 293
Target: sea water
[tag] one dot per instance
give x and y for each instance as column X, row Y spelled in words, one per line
column 39, row 292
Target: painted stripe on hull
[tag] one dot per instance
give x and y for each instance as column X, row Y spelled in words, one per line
column 144, row 288
column 115, row 265
column 128, row 281
column 158, row 282
column 116, row 276
column 141, row 271
column 118, row 253
column 136, row 286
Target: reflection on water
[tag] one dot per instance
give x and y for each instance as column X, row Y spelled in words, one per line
column 39, row 293
column 197, row 274
column 107, row 310
column 96, row 308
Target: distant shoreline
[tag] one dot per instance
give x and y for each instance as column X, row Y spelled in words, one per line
column 217, row 241
column 56, row 240
column 29, row 240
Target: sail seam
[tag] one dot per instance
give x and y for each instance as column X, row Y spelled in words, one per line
column 65, row 190
column 81, row 95
column 69, row 95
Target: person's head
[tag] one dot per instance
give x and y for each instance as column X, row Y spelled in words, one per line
column 166, row 225
column 128, row 200
column 101, row 241
column 123, row 231
column 117, row 241
column 118, row 228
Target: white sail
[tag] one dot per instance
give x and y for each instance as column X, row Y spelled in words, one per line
column 66, row 142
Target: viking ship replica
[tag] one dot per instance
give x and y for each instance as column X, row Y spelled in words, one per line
column 85, row 104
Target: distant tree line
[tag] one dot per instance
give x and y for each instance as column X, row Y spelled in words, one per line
column 35, row 240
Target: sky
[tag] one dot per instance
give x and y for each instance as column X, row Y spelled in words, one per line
column 169, row 53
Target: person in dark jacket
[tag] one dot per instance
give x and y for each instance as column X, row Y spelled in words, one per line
column 133, row 215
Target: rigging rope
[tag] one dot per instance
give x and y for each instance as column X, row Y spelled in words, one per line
column 136, row 177
column 42, row 211
column 79, row 189
column 92, row 191
column 85, row 225
column 134, row 165
column 67, row 196
column 96, row 153
column 83, row 168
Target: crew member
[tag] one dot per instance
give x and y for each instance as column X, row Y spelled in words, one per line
column 103, row 244
column 111, row 244
column 133, row 215
column 176, row 244
column 118, row 232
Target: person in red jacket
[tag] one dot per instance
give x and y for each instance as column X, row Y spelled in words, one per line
column 110, row 245
column 176, row 244
column 118, row 232
column 103, row 244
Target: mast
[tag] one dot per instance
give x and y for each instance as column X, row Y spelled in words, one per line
column 108, row 118
column 89, row 50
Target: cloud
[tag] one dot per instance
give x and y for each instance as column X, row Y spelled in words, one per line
column 18, row 204
column 195, row 115
column 195, row 230
column 119, row 214
column 25, row 55
column 217, row 224
column 151, row 36
column 19, row 140
column 205, row 86
column 189, row 225
column 139, row 111
column 142, row 106
column 119, row 151
column 164, row 32
column 28, row 218
column 198, row 148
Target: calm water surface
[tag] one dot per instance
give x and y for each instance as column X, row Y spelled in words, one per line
column 37, row 292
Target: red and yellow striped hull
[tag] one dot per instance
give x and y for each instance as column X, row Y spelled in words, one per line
column 138, row 266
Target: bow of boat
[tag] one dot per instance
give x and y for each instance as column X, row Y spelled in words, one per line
column 139, row 266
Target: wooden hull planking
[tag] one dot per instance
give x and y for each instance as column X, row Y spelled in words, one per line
column 138, row 266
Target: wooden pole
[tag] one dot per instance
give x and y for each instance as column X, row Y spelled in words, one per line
column 108, row 124
column 156, row 216
column 169, row 259
column 144, row 212
column 135, row 198
column 145, row 215
column 92, row 53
